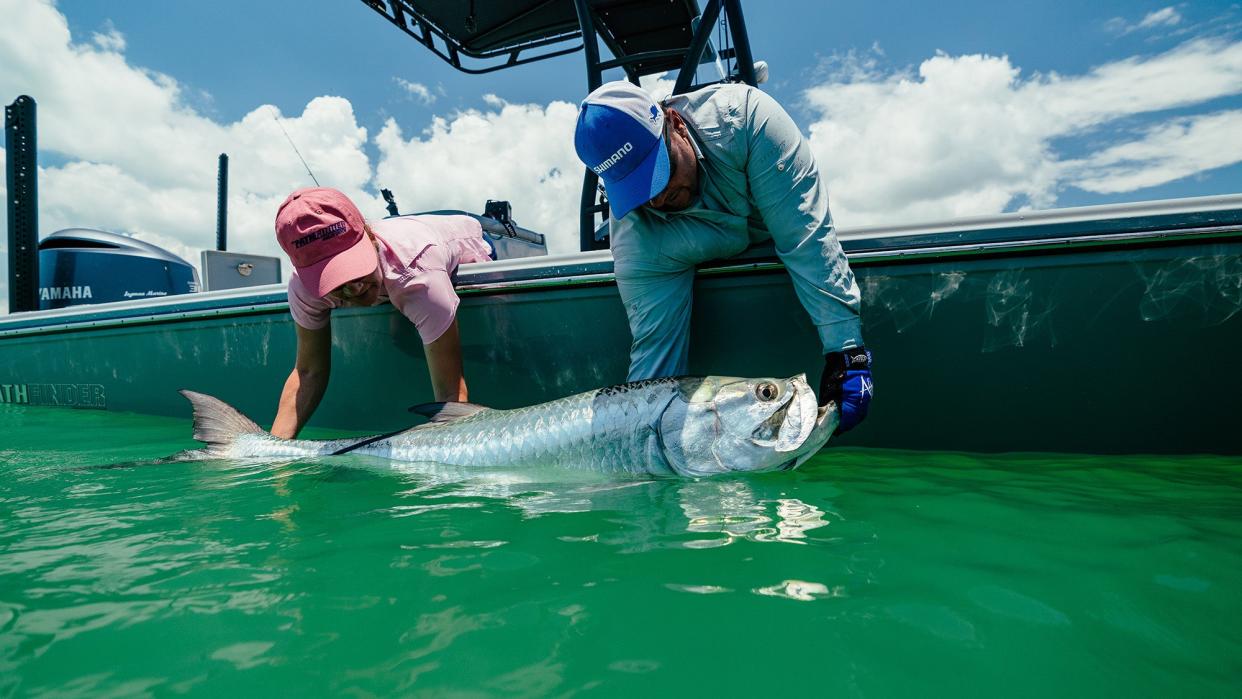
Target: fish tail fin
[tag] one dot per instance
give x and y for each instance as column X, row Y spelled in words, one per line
column 216, row 423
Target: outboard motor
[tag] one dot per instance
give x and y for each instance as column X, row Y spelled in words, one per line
column 82, row 265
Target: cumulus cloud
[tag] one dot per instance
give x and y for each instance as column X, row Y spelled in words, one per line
column 416, row 91
column 140, row 160
column 968, row 135
column 659, row 86
column 520, row 152
column 109, row 39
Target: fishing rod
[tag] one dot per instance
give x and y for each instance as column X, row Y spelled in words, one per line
column 276, row 119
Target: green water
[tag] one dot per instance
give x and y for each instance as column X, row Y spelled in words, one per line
column 865, row 573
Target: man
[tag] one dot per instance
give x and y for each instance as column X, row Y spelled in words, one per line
column 341, row 260
column 702, row 177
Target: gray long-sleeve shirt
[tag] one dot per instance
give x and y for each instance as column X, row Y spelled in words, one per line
column 757, row 181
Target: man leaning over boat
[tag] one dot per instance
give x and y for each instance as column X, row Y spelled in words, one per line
column 701, row 177
column 341, row 260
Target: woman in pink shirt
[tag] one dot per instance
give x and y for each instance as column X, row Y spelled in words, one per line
column 341, row 260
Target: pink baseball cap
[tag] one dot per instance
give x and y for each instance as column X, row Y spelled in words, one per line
column 323, row 233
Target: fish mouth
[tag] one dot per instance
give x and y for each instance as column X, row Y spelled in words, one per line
column 790, row 425
column 801, row 413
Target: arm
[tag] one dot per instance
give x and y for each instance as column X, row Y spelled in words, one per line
column 791, row 195
column 444, row 365
column 428, row 299
column 306, row 383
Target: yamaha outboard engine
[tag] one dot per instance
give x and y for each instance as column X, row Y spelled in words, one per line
column 82, row 265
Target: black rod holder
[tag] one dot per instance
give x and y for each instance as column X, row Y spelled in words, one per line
column 22, row 173
column 222, row 203
column 390, row 202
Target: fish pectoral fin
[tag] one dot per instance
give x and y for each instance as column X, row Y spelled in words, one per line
column 446, row 412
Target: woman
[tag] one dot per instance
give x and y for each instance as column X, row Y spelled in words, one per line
column 341, row 260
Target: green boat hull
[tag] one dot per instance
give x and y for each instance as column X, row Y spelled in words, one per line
column 1087, row 336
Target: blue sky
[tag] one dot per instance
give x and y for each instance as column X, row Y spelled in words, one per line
column 917, row 111
column 246, row 53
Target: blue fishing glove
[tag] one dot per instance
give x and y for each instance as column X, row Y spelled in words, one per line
column 847, row 380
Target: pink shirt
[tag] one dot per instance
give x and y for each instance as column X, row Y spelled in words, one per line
column 417, row 255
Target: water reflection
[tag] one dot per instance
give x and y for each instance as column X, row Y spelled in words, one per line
column 715, row 512
column 801, row 590
column 733, row 509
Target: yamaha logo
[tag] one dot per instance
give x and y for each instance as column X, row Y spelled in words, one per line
column 56, row 293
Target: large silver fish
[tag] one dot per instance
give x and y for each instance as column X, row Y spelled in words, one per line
column 684, row 426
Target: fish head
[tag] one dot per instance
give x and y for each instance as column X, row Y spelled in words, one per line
column 720, row 424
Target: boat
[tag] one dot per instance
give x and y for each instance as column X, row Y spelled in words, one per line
column 1107, row 329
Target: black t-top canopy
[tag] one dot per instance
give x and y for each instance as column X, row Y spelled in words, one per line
column 643, row 36
column 480, row 36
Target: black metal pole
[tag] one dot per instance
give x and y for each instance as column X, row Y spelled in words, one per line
column 222, row 203
column 590, row 44
column 741, row 41
column 595, row 78
column 22, row 172
column 707, row 22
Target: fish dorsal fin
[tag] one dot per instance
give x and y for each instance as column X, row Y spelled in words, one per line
column 446, row 412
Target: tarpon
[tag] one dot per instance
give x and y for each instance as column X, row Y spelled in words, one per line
column 684, row 426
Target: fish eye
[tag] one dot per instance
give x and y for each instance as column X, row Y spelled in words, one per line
column 767, row 391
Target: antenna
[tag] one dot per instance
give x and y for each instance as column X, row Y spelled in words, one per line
column 292, row 145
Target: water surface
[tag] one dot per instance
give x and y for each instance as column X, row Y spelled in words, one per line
column 865, row 573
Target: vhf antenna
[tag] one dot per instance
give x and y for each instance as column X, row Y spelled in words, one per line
column 294, row 146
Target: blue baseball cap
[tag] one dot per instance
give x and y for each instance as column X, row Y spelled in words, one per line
column 620, row 136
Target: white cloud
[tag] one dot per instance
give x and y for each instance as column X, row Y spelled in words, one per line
column 1164, row 17
column 141, row 161
column 520, row 152
column 968, row 135
column 417, row 91
column 109, row 39
column 659, row 86
column 1168, row 152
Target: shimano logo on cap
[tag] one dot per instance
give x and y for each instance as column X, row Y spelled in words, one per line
column 614, row 158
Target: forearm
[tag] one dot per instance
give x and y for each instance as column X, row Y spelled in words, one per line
column 449, row 388
column 301, row 395
column 444, row 366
